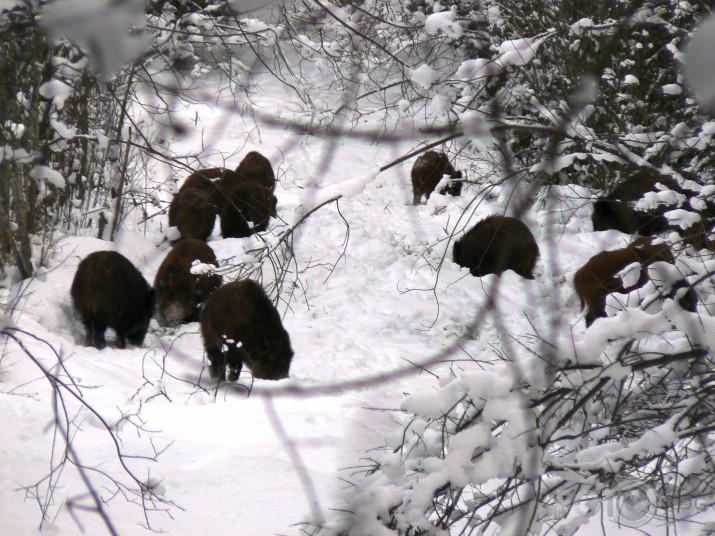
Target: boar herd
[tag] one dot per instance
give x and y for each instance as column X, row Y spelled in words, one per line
column 499, row 243
column 238, row 321
column 243, row 199
column 240, row 324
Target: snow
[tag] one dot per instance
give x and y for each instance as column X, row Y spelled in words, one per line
column 56, row 90
column 50, row 175
column 519, row 51
column 444, row 21
column 424, row 76
column 682, row 218
column 221, row 452
column 475, row 69
column 62, row 129
column 672, row 89
column 254, row 25
column 440, row 104
column 259, row 457
column 581, row 25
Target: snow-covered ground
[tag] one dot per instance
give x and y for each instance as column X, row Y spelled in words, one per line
column 368, row 299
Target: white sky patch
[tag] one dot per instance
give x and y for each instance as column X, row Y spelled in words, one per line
column 424, row 76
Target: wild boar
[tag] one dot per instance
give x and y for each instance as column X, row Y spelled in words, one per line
column 257, row 168
column 180, row 293
column 108, row 291
column 596, row 279
column 616, row 210
column 495, row 244
column 428, row 170
column 193, row 213
column 247, row 210
column 240, row 324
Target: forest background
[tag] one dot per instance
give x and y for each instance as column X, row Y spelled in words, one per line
column 488, row 412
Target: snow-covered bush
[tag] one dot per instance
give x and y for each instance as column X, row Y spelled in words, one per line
column 552, row 437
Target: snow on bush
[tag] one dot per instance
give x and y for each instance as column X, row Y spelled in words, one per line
column 519, row 51
column 444, row 21
column 523, row 450
column 424, row 76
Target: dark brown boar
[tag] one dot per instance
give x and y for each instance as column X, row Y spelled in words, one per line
column 642, row 181
column 216, row 182
column 193, row 213
column 247, row 210
column 240, row 324
column 428, row 170
column 204, row 179
column 616, row 211
column 257, row 168
column 108, row 291
column 596, row 279
column 180, row 293
column 228, row 182
column 495, row 244
column 619, row 215
column 230, row 178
